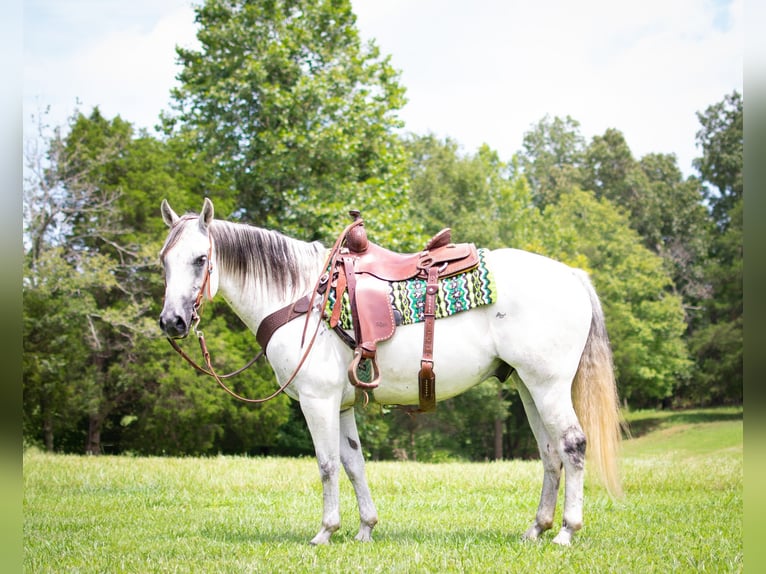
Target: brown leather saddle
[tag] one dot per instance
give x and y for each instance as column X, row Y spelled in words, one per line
column 364, row 270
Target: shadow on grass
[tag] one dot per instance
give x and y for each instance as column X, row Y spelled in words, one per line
column 642, row 426
column 391, row 535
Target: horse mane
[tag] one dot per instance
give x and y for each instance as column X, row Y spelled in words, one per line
column 267, row 259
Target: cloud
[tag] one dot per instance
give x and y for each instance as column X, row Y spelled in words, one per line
column 480, row 72
column 125, row 68
column 487, row 71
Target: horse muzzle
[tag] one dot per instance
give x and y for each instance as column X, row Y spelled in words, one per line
column 174, row 325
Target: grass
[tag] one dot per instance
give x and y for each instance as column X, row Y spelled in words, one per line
column 682, row 512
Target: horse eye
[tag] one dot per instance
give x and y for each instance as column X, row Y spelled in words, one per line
column 200, row 261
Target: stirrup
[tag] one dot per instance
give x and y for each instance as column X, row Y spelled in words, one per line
column 353, row 377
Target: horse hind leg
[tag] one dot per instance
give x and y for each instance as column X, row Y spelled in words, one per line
column 563, row 436
column 551, row 467
column 352, row 458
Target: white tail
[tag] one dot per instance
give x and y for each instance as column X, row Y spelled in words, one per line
column 594, row 393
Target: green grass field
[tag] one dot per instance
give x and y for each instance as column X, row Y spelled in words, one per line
column 682, row 511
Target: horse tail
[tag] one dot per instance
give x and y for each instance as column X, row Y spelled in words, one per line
column 594, row 394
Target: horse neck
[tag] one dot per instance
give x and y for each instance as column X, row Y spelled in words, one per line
column 262, row 270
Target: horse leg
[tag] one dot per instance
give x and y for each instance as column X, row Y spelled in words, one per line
column 551, row 467
column 323, row 422
column 554, row 405
column 353, row 462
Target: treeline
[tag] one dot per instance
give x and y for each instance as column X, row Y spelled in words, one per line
column 287, row 120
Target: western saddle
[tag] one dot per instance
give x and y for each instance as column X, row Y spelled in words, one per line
column 364, row 270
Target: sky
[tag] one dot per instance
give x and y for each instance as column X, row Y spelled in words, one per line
column 484, row 71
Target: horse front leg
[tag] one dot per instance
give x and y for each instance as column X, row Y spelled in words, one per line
column 353, row 462
column 322, row 418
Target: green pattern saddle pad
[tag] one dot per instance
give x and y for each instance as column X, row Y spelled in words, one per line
column 461, row 292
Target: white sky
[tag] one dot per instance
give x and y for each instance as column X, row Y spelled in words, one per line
column 482, row 71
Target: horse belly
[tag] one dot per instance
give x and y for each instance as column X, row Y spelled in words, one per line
column 463, row 357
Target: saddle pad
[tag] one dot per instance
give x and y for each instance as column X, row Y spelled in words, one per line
column 461, row 292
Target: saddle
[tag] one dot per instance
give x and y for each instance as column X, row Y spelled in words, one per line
column 364, row 270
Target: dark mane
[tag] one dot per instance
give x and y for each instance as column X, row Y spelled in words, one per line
column 265, row 257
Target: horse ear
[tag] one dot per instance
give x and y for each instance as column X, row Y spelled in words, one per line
column 168, row 215
column 206, row 215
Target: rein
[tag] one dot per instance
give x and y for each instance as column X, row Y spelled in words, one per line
column 219, row 378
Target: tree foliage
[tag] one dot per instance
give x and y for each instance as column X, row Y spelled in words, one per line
column 477, row 195
column 721, row 139
column 551, row 158
column 717, row 340
column 96, row 371
column 297, row 114
column 645, row 319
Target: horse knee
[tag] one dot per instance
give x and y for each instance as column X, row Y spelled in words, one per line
column 327, row 470
column 574, row 443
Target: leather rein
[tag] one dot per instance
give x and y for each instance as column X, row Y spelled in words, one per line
column 268, row 326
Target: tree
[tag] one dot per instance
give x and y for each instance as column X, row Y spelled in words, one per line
column 69, row 212
column 645, row 319
column 296, row 114
column 681, row 232
column 96, row 366
column 477, row 195
column 666, row 210
column 609, row 170
column 721, row 139
column 551, row 158
column 56, row 346
column 717, row 342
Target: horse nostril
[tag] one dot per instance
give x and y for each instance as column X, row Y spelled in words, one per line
column 174, row 326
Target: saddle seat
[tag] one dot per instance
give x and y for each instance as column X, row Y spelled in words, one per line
column 391, row 266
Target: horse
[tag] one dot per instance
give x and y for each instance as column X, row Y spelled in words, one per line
column 545, row 333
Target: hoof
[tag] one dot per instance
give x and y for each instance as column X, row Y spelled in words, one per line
column 323, row 537
column 365, row 529
column 564, row 537
column 534, row 532
column 363, row 537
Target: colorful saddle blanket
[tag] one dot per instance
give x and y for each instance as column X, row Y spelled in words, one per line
column 457, row 293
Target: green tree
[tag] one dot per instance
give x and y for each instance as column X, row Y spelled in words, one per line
column 297, row 115
column 551, row 158
column 96, row 365
column 645, row 318
column 720, row 167
column 680, row 230
column 69, row 214
column 609, row 170
column 666, row 210
column 57, row 346
column 717, row 342
column 481, row 198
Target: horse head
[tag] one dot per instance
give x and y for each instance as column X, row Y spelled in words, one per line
column 191, row 273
